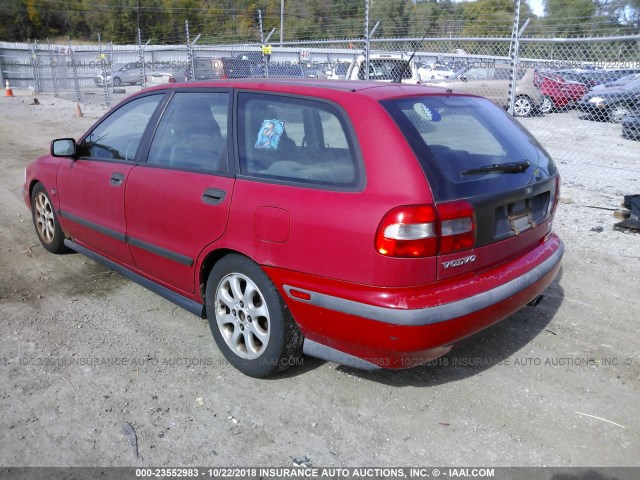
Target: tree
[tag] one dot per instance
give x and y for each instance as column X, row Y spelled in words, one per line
column 491, row 17
column 394, row 16
column 576, row 16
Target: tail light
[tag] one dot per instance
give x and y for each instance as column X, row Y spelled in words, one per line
column 553, row 204
column 408, row 231
column 457, row 226
column 426, row 230
column 172, row 79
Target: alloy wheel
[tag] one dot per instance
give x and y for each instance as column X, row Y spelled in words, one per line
column 45, row 221
column 242, row 316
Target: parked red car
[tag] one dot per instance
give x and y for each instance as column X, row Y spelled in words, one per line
column 556, row 91
column 370, row 224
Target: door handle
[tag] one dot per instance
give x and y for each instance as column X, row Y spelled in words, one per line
column 116, row 179
column 213, row 196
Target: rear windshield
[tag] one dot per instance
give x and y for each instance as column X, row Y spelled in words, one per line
column 454, row 136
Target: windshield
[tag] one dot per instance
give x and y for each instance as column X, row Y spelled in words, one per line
column 633, row 86
column 625, row 80
column 467, row 146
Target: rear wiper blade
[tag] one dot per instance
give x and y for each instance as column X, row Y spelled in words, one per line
column 514, row 167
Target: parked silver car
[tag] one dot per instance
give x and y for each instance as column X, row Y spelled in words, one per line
column 492, row 82
column 123, row 74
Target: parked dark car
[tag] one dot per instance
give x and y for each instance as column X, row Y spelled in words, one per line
column 595, row 77
column 214, row 68
column 280, row 70
column 631, row 125
column 270, row 208
column 612, row 104
column 255, row 58
column 621, row 82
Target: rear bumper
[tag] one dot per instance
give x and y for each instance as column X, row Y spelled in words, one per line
column 423, row 322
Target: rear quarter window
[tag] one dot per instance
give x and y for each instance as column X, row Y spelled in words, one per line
column 291, row 139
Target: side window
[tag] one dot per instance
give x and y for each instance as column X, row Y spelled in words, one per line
column 295, row 140
column 192, row 133
column 502, row 74
column 118, row 137
column 505, row 73
column 478, row 74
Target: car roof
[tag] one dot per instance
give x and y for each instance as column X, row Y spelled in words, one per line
column 320, row 87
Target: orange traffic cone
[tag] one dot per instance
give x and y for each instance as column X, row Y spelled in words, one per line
column 78, row 113
column 7, row 91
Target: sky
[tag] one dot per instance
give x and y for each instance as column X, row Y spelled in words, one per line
column 536, row 7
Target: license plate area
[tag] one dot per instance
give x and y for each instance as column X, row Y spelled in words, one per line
column 518, row 217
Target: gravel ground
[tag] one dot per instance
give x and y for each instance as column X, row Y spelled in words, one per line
column 84, row 352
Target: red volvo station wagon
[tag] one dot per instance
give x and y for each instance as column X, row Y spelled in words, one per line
column 370, row 224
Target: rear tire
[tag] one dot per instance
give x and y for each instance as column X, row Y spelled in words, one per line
column 45, row 221
column 547, row 104
column 249, row 320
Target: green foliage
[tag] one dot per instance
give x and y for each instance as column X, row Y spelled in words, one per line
column 232, row 21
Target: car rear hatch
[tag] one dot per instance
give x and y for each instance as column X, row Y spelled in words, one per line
column 494, row 186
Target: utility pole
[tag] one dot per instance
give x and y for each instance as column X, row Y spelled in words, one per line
column 281, row 21
column 367, row 40
column 513, row 53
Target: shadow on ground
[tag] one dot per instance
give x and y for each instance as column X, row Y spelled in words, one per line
column 479, row 352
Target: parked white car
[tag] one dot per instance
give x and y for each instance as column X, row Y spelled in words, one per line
column 434, row 72
column 167, row 76
column 384, row 67
column 338, row 70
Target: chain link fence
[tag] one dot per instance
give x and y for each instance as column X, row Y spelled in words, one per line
column 550, row 75
column 563, row 90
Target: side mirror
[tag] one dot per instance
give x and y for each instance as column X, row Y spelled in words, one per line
column 63, row 147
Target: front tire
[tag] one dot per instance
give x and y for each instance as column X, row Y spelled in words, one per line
column 249, row 319
column 547, row 105
column 522, row 107
column 117, row 82
column 618, row 112
column 46, row 221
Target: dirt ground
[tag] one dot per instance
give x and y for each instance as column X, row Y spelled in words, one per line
column 84, row 351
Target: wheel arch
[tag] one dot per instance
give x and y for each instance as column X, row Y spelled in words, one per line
column 32, row 185
column 209, row 262
column 524, row 95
